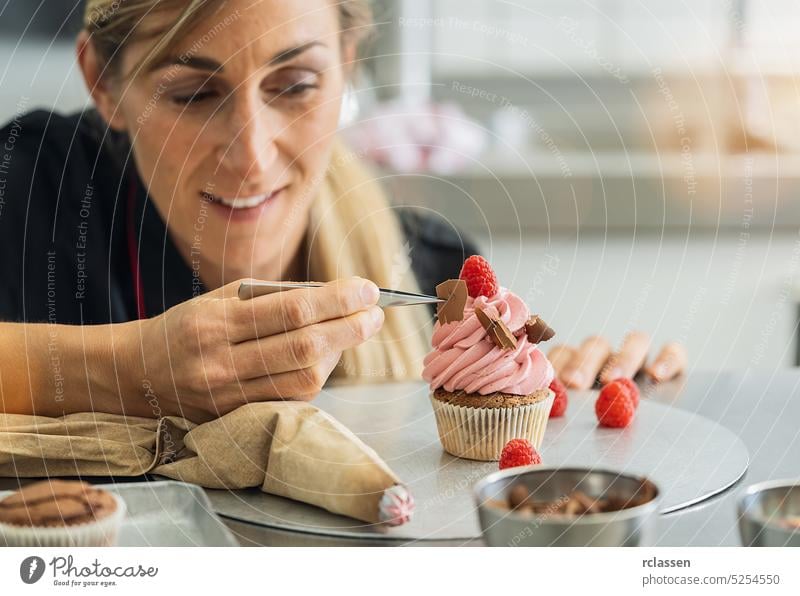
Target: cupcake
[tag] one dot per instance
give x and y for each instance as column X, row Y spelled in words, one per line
column 489, row 381
column 60, row 513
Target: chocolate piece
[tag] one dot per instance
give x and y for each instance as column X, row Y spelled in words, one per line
column 497, row 331
column 518, row 496
column 521, row 500
column 588, row 504
column 537, row 330
column 615, row 503
column 542, row 508
column 573, row 507
column 455, row 292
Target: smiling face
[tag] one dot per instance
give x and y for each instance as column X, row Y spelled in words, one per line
column 232, row 133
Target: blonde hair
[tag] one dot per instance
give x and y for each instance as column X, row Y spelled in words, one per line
column 353, row 231
column 114, row 24
column 352, row 227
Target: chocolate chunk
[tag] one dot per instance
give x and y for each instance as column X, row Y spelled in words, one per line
column 537, row 330
column 518, row 496
column 573, row 507
column 455, row 292
column 589, row 504
column 645, row 493
column 616, row 503
column 497, row 331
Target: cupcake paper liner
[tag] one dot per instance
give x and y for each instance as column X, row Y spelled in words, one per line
column 102, row 532
column 481, row 433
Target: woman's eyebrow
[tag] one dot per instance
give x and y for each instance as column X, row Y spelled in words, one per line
column 209, row 64
column 288, row 54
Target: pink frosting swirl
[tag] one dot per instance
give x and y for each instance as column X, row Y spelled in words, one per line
column 464, row 358
column 396, row 506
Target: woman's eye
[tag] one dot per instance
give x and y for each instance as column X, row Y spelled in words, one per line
column 298, row 88
column 193, row 98
column 294, row 86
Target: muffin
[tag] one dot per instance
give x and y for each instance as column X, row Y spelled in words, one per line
column 489, row 381
column 60, row 513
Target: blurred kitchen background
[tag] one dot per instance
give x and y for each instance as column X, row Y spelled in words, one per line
column 623, row 163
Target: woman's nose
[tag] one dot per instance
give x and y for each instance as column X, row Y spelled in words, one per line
column 250, row 149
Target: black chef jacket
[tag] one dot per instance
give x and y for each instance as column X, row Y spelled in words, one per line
column 76, row 223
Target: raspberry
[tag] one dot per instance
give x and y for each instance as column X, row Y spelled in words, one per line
column 560, row 401
column 518, row 452
column 614, row 406
column 633, row 388
column 481, row 280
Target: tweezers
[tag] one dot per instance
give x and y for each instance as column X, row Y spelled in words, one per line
column 248, row 290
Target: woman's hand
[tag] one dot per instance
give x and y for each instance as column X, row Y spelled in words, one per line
column 578, row 368
column 214, row 353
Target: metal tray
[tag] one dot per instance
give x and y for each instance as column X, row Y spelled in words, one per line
column 167, row 513
column 689, row 457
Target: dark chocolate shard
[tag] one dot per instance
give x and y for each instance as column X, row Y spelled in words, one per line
column 455, row 292
column 537, row 330
column 497, row 331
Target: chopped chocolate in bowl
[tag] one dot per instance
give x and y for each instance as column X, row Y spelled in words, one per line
column 577, row 502
column 548, row 506
column 769, row 514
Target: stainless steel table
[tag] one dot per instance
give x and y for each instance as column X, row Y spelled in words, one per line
column 688, row 456
column 761, row 408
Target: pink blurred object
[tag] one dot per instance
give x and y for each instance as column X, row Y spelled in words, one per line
column 437, row 138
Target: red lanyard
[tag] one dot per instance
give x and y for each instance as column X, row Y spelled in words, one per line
column 133, row 252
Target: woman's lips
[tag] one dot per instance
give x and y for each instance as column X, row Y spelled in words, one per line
column 242, row 208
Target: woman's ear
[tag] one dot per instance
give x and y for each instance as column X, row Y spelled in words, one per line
column 349, row 53
column 98, row 82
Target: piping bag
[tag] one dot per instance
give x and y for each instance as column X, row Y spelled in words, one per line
column 289, row 449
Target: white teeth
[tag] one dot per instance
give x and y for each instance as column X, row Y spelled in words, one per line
column 243, row 202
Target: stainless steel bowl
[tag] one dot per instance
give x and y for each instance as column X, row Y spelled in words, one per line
column 502, row 527
column 766, row 510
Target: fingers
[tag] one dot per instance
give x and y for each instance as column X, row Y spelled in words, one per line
column 629, row 359
column 670, row 362
column 560, row 356
column 302, row 384
column 294, row 309
column 303, row 348
column 589, row 358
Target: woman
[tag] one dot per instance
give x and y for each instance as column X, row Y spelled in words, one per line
column 210, row 156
